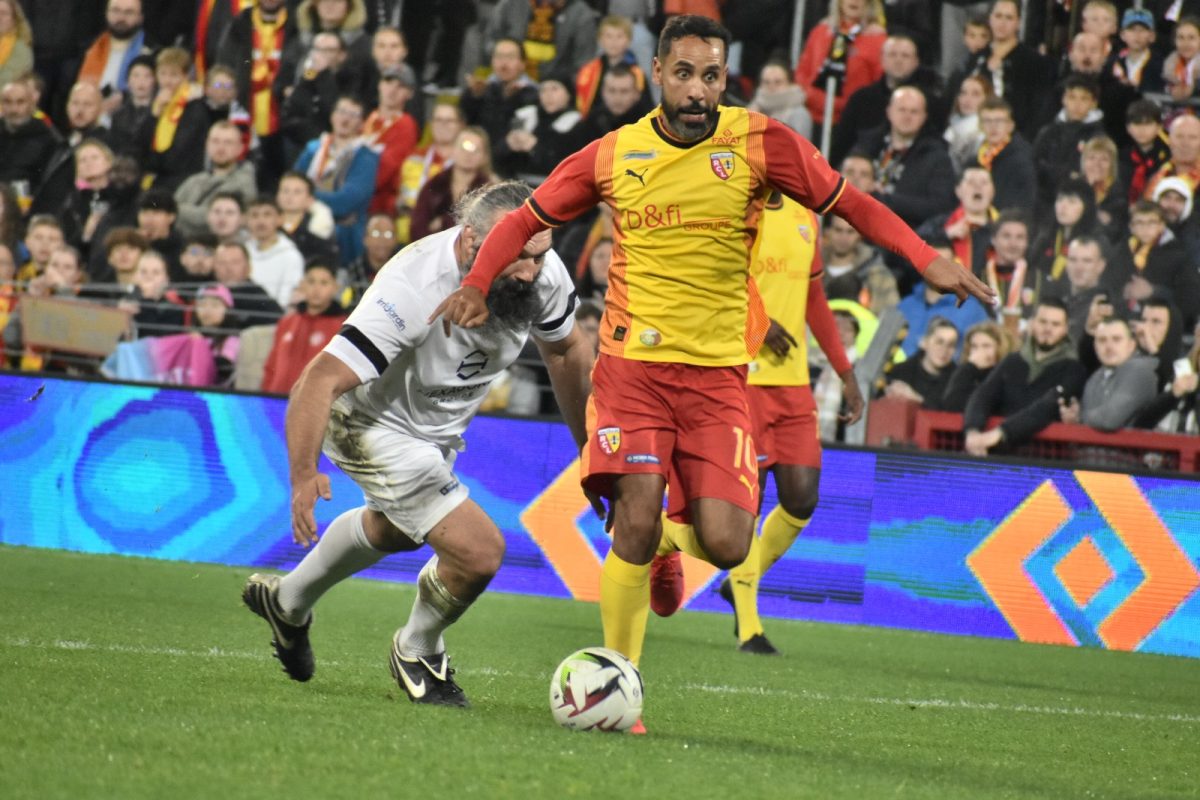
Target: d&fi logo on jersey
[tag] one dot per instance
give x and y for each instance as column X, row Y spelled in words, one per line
column 722, row 164
column 610, row 440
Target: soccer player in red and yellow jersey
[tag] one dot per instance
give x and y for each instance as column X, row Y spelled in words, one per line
column 786, row 266
column 682, row 316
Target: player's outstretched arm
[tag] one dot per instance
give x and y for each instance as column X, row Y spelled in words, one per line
column 467, row 305
column 880, row 224
column 324, row 380
column 796, row 167
column 565, row 194
column 569, row 363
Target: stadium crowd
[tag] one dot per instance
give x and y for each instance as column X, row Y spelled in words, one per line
column 233, row 173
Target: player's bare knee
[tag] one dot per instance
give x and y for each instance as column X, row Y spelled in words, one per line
column 636, row 538
column 801, row 505
column 487, row 555
column 727, row 551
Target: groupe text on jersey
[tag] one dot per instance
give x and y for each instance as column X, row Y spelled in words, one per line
column 686, row 215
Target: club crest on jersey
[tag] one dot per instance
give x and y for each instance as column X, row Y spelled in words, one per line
column 610, row 440
column 805, row 233
column 722, row 164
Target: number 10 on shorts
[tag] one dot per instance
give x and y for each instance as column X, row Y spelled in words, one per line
column 743, row 451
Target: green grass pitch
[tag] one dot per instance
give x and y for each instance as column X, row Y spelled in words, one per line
column 130, row 678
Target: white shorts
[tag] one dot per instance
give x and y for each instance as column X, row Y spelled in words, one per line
column 411, row 481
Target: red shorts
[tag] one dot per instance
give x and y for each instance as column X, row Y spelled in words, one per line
column 785, row 425
column 689, row 424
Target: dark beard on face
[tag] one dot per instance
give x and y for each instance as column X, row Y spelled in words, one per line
column 1045, row 348
column 689, row 131
column 512, row 304
column 121, row 31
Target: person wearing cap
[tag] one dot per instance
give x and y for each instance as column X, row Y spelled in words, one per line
column 156, row 217
column 392, row 133
column 1176, row 199
column 225, row 172
column 1137, row 64
column 211, row 318
column 389, row 50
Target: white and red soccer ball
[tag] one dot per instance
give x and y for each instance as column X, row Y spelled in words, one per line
column 596, row 689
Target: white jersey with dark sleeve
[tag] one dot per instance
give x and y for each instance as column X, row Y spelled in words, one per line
column 415, row 378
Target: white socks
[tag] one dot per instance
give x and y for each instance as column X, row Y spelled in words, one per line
column 434, row 610
column 342, row 551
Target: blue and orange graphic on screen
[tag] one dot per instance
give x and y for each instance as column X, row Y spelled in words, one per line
column 913, row 541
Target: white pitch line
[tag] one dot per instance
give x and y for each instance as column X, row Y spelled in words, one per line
column 964, row 705
column 760, row 691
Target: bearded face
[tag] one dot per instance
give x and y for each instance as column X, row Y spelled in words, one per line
column 513, row 303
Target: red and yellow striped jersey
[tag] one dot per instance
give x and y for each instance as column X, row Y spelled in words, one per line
column 685, row 217
column 786, row 257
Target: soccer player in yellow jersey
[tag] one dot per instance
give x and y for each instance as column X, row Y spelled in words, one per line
column 786, row 266
column 682, row 319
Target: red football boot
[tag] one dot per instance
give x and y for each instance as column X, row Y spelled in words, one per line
column 666, row 584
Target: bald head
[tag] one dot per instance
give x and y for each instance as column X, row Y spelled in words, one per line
column 906, row 112
column 1184, row 139
column 1088, row 51
column 16, row 104
column 83, row 105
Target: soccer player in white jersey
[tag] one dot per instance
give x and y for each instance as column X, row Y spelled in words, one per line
column 389, row 398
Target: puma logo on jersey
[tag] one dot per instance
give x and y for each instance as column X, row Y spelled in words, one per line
column 640, row 177
column 742, row 479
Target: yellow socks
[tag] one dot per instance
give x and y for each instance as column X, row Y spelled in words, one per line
column 624, row 605
column 677, row 536
column 743, row 582
column 778, row 532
